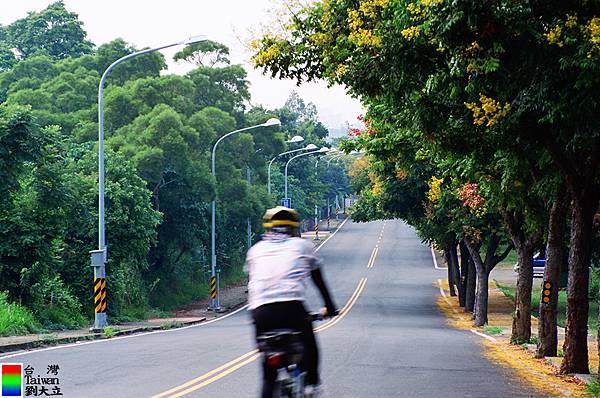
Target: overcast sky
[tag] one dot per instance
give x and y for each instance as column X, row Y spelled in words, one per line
column 154, row 22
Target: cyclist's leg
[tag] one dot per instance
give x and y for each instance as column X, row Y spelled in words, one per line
column 310, row 361
column 269, row 379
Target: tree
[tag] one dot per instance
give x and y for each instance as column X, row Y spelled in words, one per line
column 53, row 31
column 206, row 53
column 148, row 65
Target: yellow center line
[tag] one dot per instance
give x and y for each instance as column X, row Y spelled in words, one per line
column 205, row 375
column 217, row 377
column 373, row 256
column 243, row 360
column 339, row 317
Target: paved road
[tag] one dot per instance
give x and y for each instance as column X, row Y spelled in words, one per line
column 390, row 342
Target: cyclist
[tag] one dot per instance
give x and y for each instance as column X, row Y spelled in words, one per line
column 277, row 267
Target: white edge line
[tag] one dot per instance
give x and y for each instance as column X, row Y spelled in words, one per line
column 435, row 263
column 332, row 235
column 485, row 336
column 445, row 297
column 79, row 344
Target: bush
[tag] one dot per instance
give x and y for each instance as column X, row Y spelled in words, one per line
column 595, row 284
column 15, row 319
column 54, row 305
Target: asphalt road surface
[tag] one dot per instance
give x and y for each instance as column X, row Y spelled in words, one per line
column 390, row 341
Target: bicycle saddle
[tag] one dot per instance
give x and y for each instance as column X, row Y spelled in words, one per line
column 280, row 339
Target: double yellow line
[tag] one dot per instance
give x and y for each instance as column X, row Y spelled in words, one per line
column 373, row 255
column 346, row 308
column 243, row 360
column 375, row 251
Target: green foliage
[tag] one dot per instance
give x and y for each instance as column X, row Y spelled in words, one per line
column 16, row 319
column 493, row 330
column 171, row 325
column 54, row 305
column 109, row 332
column 593, row 387
column 159, row 133
column 206, row 53
column 53, row 31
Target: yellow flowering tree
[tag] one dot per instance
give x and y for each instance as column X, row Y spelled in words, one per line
column 476, row 81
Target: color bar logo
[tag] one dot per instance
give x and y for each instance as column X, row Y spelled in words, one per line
column 12, row 380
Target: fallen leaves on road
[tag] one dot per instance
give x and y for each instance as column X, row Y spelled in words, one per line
column 536, row 373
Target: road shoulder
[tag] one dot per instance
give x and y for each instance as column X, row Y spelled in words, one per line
column 538, row 373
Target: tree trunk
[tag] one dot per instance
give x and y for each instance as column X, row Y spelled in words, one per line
column 481, row 308
column 481, row 294
column 451, row 280
column 575, row 347
column 464, row 270
column 547, row 325
column 521, row 326
column 455, row 270
column 470, row 288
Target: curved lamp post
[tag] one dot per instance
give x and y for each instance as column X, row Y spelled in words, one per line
column 322, row 150
column 309, row 147
column 100, row 256
column 215, row 303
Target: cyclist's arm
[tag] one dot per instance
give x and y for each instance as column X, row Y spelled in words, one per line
column 319, row 282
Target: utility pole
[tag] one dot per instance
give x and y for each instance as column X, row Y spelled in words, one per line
column 249, row 179
column 99, row 257
column 316, row 223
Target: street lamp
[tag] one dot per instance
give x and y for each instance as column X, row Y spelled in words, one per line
column 322, row 150
column 99, row 257
column 295, row 139
column 332, row 151
column 214, row 303
column 309, row 147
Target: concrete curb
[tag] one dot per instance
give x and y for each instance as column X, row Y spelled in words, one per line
column 47, row 342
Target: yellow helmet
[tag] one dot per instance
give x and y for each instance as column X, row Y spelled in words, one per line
column 281, row 216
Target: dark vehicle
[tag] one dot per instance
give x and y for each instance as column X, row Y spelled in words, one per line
column 539, row 262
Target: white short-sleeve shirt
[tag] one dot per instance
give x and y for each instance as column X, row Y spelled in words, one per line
column 277, row 270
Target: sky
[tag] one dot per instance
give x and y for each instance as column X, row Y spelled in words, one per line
column 151, row 23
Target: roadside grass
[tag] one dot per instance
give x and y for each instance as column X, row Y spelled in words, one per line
column 493, row 329
column 15, row 319
column 171, row 325
column 109, row 332
column 562, row 305
column 593, row 388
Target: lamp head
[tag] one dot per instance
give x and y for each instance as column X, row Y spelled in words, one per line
column 310, row 147
column 194, row 40
column 324, row 149
column 272, row 122
column 296, row 138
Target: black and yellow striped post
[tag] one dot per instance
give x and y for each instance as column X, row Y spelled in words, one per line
column 100, row 295
column 316, row 231
column 213, row 287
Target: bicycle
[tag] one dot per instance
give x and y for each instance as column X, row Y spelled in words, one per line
column 283, row 349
